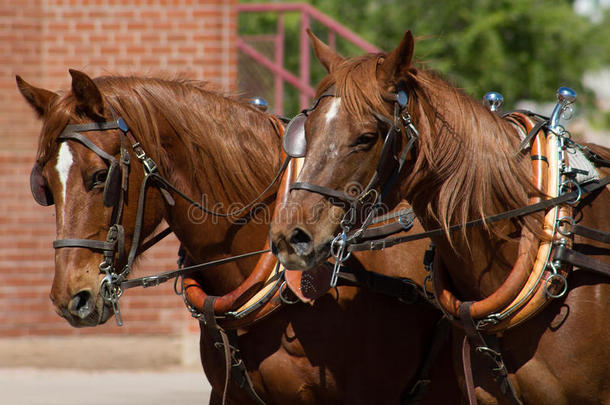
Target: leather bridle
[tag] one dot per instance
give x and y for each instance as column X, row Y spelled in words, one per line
column 400, row 125
column 384, row 177
column 115, row 190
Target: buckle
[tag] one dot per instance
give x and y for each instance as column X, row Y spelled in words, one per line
column 151, row 281
column 149, row 165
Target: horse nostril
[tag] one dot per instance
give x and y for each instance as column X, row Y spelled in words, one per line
column 301, row 242
column 273, row 249
column 81, row 305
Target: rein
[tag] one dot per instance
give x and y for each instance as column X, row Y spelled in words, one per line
column 155, row 280
column 529, row 209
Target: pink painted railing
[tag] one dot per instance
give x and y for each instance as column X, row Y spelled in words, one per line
column 276, row 66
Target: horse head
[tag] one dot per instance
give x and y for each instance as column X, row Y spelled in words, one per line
column 83, row 169
column 350, row 141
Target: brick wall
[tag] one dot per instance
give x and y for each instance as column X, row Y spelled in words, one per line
column 40, row 40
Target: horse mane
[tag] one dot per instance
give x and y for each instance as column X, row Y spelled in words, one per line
column 224, row 138
column 468, row 165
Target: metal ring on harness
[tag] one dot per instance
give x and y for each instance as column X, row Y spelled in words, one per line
column 405, row 222
column 550, row 280
column 429, row 296
column 565, row 184
column 337, row 247
column 283, row 298
column 178, row 290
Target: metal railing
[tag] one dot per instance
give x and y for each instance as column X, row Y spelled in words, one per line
column 276, row 64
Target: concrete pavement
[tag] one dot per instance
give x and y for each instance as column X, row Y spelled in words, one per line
column 30, row 386
column 102, row 370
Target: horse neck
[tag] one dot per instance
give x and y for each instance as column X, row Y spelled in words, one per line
column 466, row 168
column 206, row 236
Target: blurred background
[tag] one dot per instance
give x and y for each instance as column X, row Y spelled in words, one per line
column 522, row 49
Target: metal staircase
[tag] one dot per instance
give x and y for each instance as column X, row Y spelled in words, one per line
column 262, row 70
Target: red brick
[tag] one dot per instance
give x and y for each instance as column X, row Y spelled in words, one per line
column 96, row 36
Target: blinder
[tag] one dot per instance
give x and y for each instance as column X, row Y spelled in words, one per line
column 40, row 189
column 112, row 187
column 43, row 196
column 294, row 142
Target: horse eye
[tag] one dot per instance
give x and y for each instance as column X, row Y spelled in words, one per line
column 99, row 178
column 365, row 139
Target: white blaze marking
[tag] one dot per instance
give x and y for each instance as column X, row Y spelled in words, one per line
column 332, row 150
column 330, row 115
column 64, row 163
column 332, row 111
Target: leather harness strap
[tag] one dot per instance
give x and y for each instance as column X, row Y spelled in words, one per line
column 591, row 233
column 578, row 259
column 481, row 346
column 329, row 192
column 404, row 289
column 211, row 326
column 402, row 224
column 149, row 281
column 233, row 365
column 529, row 209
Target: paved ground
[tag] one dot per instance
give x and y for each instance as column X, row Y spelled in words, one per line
column 102, row 371
column 26, row 386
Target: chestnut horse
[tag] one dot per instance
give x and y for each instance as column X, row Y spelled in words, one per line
column 456, row 162
column 344, row 348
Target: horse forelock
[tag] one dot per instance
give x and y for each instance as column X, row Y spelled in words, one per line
column 354, row 82
column 60, row 114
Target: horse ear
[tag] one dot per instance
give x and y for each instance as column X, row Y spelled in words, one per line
column 397, row 62
column 39, row 99
column 327, row 56
column 87, row 94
